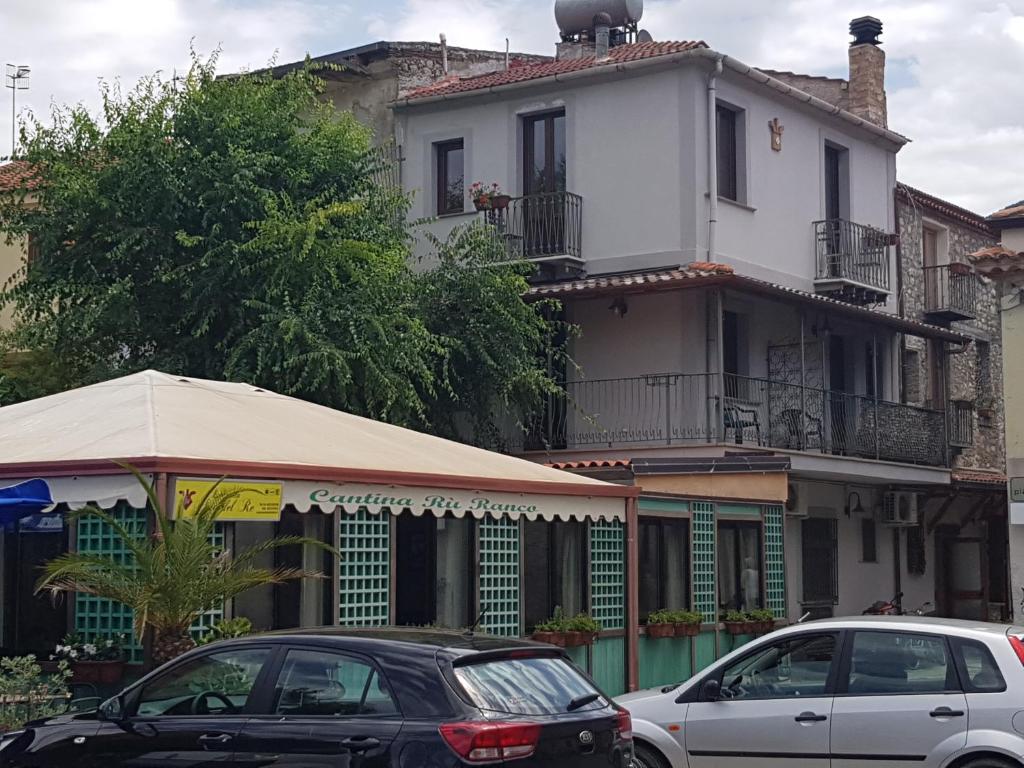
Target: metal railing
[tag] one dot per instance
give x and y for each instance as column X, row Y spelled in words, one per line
column 951, row 290
column 852, row 253
column 674, row 408
column 540, row 226
column 961, row 423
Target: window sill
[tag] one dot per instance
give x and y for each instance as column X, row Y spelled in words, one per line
column 454, row 214
column 736, row 204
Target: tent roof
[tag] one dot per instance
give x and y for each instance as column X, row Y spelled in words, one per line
column 164, row 423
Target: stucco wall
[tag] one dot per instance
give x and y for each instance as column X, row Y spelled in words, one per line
column 636, row 147
column 12, row 258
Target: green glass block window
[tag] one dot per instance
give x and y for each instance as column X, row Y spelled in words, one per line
column 607, row 574
column 703, row 559
column 206, row 620
column 499, row 575
column 98, row 618
column 774, row 562
column 365, row 544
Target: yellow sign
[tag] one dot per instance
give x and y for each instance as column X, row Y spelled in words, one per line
column 251, row 501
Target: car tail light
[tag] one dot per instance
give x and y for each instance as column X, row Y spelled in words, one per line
column 624, row 725
column 1018, row 646
column 491, row 742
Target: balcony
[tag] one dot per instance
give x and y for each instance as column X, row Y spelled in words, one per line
column 950, row 292
column 542, row 227
column 689, row 409
column 852, row 261
column 961, row 424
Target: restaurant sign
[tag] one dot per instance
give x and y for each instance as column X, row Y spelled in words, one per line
column 246, row 500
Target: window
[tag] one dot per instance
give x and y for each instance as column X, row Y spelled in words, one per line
column 900, row 663
column 554, row 569
column 217, row 684
column 868, row 540
column 978, row 670
column 736, row 357
column 728, row 152
column 874, row 370
column 544, row 153
column 820, row 557
column 530, row 686
column 315, row 683
column 798, row 667
column 434, row 571
column 664, row 564
column 837, row 187
column 739, row 565
column 451, row 181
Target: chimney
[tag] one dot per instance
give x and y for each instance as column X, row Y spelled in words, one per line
column 602, row 33
column 867, row 71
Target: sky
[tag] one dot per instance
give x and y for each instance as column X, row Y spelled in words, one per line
column 955, row 73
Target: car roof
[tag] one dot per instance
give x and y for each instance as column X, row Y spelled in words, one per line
column 908, row 623
column 427, row 640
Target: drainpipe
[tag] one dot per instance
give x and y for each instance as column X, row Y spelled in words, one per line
column 713, row 156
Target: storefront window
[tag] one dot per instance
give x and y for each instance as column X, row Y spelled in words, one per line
column 434, row 571
column 740, row 565
column 664, row 565
column 554, row 569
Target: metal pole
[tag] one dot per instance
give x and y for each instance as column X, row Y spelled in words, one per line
column 874, row 386
column 803, row 385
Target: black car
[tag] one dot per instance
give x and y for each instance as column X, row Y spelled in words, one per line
column 342, row 698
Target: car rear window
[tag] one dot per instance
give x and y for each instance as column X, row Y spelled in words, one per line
column 528, row 686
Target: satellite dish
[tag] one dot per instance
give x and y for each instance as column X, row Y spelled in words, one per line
column 643, row 36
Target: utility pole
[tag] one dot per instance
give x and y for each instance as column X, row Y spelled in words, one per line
column 17, row 79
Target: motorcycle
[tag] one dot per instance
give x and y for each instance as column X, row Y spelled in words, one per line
column 894, row 607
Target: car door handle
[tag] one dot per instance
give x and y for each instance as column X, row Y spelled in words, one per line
column 810, row 717
column 209, row 739
column 946, row 712
column 360, row 743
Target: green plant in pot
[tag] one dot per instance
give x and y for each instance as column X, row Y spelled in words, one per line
column 99, row 661
column 661, row 624
column 687, row 623
column 762, row 619
column 737, row 622
column 582, row 629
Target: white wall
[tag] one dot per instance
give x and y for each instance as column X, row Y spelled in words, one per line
column 636, row 149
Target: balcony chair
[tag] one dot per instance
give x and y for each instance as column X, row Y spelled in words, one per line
column 739, row 419
column 799, row 427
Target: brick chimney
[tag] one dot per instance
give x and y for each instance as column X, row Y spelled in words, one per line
column 867, row 71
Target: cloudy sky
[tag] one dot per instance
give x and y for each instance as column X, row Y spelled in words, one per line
column 955, row 76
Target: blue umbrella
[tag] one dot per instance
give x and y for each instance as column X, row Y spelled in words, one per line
column 22, row 500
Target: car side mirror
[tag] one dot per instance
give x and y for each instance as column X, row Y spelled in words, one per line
column 112, row 710
column 711, row 690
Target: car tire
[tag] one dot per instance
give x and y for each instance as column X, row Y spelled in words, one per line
column 647, row 757
column 990, row 762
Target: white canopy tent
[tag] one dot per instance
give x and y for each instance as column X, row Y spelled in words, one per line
column 172, row 427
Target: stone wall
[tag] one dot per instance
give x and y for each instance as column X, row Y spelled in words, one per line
column 975, row 374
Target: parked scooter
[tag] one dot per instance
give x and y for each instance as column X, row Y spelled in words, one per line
column 894, row 607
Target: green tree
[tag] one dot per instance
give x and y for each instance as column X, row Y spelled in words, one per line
column 174, row 577
column 235, row 228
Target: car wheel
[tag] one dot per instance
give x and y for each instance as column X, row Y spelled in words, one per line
column 646, row 757
column 990, row 762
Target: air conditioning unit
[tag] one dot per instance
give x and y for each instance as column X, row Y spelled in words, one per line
column 900, row 509
column 796, row 502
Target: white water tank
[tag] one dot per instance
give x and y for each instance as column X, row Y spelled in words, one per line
column 575, row 16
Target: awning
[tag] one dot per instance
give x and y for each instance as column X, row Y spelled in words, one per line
column 326, row 497
column 22, row 500
column 104, row 491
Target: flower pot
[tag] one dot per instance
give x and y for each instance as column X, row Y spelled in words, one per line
column 97, row 672
column 738, row 627
column 661, row 630
column 482, row 204
column 688, row 629
column 500, row 202
column 578, row 639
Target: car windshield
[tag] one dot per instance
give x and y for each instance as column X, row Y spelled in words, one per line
column 529, row 686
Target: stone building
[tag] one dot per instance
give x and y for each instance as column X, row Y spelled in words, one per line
column 938, row 284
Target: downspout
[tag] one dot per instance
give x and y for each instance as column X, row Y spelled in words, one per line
column 713, row 156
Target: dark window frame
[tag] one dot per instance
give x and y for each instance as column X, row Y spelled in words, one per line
column 868, row 539
column 727, row 125
column 555, row 571
column 732, row 523
column 834, row 571
column 661, row 567
column 551, row 182
column 442, row 149
column 471, row 573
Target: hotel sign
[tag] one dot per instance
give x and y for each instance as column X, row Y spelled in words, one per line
column 247, row 500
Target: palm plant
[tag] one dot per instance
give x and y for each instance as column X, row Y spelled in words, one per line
column 175, row 576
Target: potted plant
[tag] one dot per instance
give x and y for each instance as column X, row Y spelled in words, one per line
column 551, row 631
column 661, row 624
column 737, row 623
column 762, row 619
column 100, row 662
column 581, row 629
column 687, row 623
column 487, row 197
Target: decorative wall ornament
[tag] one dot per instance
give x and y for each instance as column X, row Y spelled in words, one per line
column 777, row 129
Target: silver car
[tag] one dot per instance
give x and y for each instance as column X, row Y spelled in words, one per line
column 862, row 692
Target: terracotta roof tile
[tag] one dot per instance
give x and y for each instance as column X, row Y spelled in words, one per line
column 997, row 260
column 17, row 174
column 617, row 55
column 1012, row 211
column 979, row 476
column 944, row 208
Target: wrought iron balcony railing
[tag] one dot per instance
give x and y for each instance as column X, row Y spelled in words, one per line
column 541, row 226
column 675, row 409
column 852, row 261
column 950, row 292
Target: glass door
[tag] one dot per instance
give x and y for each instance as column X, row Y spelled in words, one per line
column 544, row 166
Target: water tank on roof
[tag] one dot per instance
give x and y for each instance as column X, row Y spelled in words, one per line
column 576, row 16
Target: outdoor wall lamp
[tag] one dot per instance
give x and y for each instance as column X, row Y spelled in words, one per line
column 856, row 510
column 619, row 306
